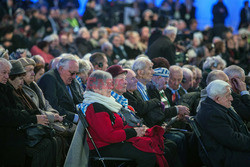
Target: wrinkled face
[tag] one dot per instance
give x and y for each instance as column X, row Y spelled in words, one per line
column 147, row 73
column 17, row 82
column 160, row 81
column 226, row 99
column 189, row 82
column 175, row 79
column 39, row 74
column 30, row 75
column 131, row 81
column 105, row 88
column 4, row 73
column 68, row 73
column 120, row 84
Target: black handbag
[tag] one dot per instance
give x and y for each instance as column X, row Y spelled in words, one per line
column 36, row 132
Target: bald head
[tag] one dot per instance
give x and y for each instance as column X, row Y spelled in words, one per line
column 216, row 75
column 175, row 77
column 132, row 80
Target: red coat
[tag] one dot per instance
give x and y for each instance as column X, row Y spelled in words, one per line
column 37, row 51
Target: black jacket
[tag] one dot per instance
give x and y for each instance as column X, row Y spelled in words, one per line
column 162, row 47
column 12, row 115
column 224, row 135
column 56, row 93
column 169, row 95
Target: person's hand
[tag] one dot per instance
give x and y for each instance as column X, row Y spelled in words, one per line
column 239, row 85
column 140, row 131
column 57, row 117
column 183, row 110
column 42, row 119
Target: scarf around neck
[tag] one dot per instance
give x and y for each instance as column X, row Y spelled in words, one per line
column 92, row 97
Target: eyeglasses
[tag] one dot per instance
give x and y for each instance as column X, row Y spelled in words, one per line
column 73, row 73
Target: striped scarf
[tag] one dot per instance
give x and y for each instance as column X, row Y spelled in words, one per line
column 142, row 91
column 120, row 99
column 80, row 81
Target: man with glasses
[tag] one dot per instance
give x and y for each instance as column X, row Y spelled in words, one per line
column 58, row 88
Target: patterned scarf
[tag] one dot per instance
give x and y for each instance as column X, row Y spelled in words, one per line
column 142, row 91
column 120, row 99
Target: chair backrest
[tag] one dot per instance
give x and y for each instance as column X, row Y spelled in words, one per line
column 195, row 127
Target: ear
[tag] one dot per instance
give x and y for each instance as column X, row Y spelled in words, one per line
column 96, row 67
column 217, row 99
column 140, row 73
column 60, row 69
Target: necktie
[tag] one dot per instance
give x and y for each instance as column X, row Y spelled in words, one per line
column 175, row 97
column 70, row 93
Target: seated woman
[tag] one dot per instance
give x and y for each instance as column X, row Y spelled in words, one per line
column 43, row 153
column 107, row 125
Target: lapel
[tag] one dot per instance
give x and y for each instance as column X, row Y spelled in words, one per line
column 64, row 88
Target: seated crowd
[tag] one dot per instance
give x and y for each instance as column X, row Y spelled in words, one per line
column 137, row 92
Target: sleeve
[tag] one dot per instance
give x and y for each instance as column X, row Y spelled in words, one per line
column 241, row 105
column 219, row 127
column 101, row 126
column 48, row 84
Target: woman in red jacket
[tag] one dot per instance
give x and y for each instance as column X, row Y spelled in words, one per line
column 106, row 125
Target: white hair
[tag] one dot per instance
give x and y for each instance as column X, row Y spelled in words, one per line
column 64, row 61
column 217, row 88
column 170, row 30
column 234, row 70
column 81, row 31
column 106, row 45
column 140, row 64
column 5, row 62
column 213, row 61
column 51, row 38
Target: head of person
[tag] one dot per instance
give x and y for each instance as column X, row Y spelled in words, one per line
column 193, row 69
column 175, row 77
column 131, row 80
column 5, row 67
column 216, row 75
column 143, row 68
column 68, row 67
column 198, row 77
column 39, row 71
column 38, row 59
column 17, row 73
column 187, row 80
column 235, row 72
column 54, row 62
column 115, row 39
column 107, row 48
column 100, row 82
column 160, row 62
column 84, row 33
column 99, row 61
column 84, row 70
column 119, row 79
column 171, row 32
column 214, row 63
column 160, row 77
column 219, row 91
column 29, row 65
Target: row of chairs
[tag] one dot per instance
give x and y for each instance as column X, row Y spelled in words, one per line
column 122, row 162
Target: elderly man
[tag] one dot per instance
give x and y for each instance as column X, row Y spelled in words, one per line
column 57, row 87
column 224, row 134
column 99, row 61
column 241, row 97
column 174, row 91
column 187, row 80
column 163, row 46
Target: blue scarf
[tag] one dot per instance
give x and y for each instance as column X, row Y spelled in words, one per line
column 120, row 99
column 143, row 91
column 80, row 81
column 173, row 91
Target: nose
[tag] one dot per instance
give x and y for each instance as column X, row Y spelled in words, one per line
column 231, row 98
column 6, row 76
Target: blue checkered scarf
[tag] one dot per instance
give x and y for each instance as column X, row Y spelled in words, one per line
column 120, row 99
column 142, row 91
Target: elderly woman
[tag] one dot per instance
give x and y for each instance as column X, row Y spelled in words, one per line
column 85, row 69
column 13, row 114
column 107, row 126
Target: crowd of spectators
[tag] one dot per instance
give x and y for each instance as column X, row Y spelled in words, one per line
column 161, row 66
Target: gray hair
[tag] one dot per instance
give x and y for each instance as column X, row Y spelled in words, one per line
column 234, row 70
column 5, row 62
column 64, row 62
column 106, row 45
column 140, row 64
column 81, row 31
column 83, row 66
column 51, row 38
column 37, row 58
column 170, row 30
column 175, row 68
column 187, row 72
column 214, row 75
column 102, row 32
column 213, row 61
column 97, row 79
column 217, row 88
